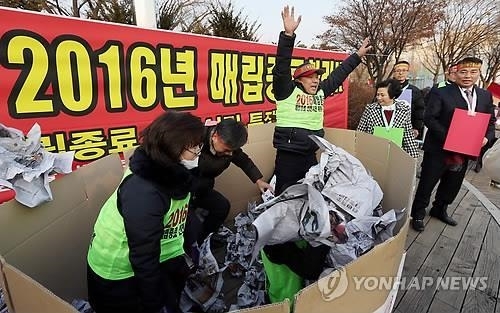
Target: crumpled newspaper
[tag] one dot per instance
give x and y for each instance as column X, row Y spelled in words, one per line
column 238, row 260
column 25, row 165
column 343, row 179
column 82, row 306
column 299, row 212
column 204, row 291
column 268, row 195
column 363, row 234
column 241, row 244
column 203, row 288
column 252, row 292
column 314, row 210
column 3, row 304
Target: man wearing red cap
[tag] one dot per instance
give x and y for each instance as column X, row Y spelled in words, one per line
column 299, row 113
column 438, row 164
column 299, row 104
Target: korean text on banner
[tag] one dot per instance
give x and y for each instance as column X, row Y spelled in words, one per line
column 466, row 132
column 93, row 86
column 394, row 134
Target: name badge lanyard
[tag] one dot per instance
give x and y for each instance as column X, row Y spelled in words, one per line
column 471, row 105
column 388, row 125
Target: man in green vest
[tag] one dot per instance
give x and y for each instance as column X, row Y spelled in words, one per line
column 299, row 104
column 299, row 113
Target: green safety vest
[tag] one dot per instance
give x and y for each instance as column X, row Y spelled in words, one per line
column 301, row 110
column 108, row 254
column 281, row 282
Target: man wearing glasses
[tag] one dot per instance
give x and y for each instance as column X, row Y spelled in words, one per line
column 400, row 73
column 221, row 147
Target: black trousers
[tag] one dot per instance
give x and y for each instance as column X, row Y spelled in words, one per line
column 122, row 296
column 217, row 207
column 479, row 162
column 434, row 169
column 289, row 167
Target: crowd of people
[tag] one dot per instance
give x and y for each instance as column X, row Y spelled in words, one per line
column 137, row 259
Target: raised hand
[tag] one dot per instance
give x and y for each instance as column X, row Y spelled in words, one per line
column 290, row 24
column 365, row 47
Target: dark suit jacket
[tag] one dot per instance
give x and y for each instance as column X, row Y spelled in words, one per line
column 417, row 107
column 439, row 112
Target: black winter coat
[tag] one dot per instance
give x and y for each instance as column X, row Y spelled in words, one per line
column 143, row 200
column 297, row 139
column 417, row 107
column 210, row 166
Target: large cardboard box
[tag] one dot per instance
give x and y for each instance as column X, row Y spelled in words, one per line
column 44, row 248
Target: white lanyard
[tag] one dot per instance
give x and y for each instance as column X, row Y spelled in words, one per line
column 471, row 107
column 388, row 125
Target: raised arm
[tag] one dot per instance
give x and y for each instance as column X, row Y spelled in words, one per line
column 290, row 24
column 337, row 77
column 283, row 84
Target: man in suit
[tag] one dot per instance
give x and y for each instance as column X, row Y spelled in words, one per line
column 439, row 165
column 400, row 73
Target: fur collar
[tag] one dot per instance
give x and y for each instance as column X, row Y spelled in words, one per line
column 174, row 180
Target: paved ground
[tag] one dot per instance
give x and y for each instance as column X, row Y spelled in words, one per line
column 466, row 254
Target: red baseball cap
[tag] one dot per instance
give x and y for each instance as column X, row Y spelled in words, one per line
column 307, row 69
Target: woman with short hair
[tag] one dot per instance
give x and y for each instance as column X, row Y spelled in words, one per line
column 388, row 115
column 136, row 257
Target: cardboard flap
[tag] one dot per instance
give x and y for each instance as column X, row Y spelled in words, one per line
column 27, row 296
column 69, row 231
column 339, row 292
column 279, row 307
column 4, row 287
column 399, row 187
column 342, row 138
column 261, row 132
column 18, row 222
column 40, row 256
column 373, row 152
column 101, row 178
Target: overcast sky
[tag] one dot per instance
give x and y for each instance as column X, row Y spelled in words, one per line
column 268, row 14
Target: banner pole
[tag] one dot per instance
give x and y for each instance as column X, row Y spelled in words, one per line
column 145, row 13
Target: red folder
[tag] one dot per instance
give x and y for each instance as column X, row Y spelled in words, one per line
column 466, row 132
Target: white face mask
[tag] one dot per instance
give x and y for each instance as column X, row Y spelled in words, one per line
column 190, row 164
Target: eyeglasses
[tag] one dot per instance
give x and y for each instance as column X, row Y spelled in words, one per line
column 197, row 150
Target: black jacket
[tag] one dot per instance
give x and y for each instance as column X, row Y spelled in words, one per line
column 210, row 166
column 143, row 201
column 417, row 107
column 296, row 139
column 439, row 112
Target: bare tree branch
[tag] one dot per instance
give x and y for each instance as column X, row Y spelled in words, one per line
column 391, row 25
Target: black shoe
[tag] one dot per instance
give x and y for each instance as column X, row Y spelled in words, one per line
column 478, row 168
column 417, row 225
column 443, row 217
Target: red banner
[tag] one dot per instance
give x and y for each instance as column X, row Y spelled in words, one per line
column 92, row 86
